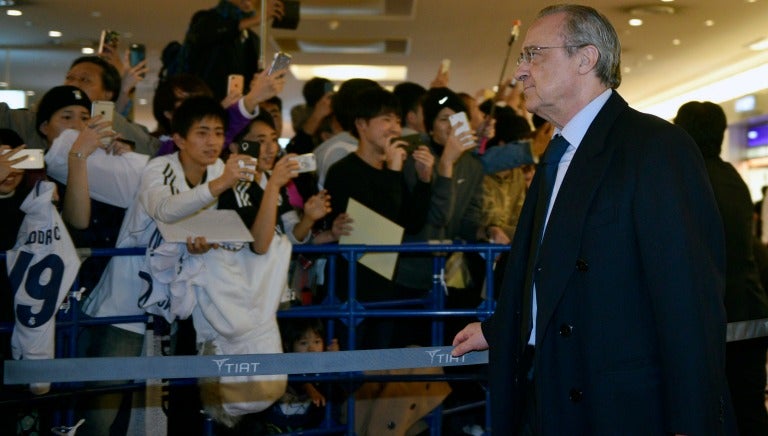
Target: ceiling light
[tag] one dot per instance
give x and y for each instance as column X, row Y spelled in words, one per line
column 87, row 50
column 379, row 73
column 676, row 41
column 377, row 47
column 3, row 84
column 635, row 22
column 760, row 44
column 54, row 34
column 709, row 23
column 729, row 88
column 7, row 2
column 13, row 12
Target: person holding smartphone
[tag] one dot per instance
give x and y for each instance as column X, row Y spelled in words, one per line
column 221, row 41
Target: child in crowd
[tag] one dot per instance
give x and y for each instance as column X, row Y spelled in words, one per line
column 301, row 408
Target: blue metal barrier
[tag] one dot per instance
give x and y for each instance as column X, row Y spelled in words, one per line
column 69, row 322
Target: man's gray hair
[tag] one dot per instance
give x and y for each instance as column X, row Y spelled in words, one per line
column 586, row 26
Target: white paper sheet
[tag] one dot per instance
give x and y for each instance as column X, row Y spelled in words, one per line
column 373, row 229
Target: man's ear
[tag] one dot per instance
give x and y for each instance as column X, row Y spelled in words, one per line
column 44, row 128
column 360, row 124
column 588, row 57
column 179, row 141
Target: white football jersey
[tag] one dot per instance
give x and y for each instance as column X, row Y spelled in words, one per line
column 41, row 267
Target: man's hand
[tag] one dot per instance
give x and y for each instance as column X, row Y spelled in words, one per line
column 471, row 338
column 318, row 205
column 425, row 162
column 264, row 87
column 199, row 245
column 342, row 226
column 7, row 161
column 395, row 155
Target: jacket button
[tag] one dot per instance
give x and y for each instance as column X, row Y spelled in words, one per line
column 391, row 425
column 582, row 266
column 566, row 330
column 575, row 395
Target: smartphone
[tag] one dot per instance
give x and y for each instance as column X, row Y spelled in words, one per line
column 34, row 160
column 235, row 83
column 460, row 123
column 106, row 109
column 108, row 39
column 307, row 162
column 136, row 53
column 281, row 61
column 251, row 148
column 445, row 65
column 413, row 142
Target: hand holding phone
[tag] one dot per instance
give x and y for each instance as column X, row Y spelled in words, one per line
column 235, row 84
column 307, row 162
column 281, row 61
column 412, row 142
column 108, row 41
column 105, row 109
column 460, row 124
column 445, row 66
column 33, row 159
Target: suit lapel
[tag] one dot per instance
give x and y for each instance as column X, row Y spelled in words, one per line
column 562, row 240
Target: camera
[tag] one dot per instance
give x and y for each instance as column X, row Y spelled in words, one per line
column 307, row 162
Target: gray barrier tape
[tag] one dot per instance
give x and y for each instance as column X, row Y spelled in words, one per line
column 140, row 368
column 741, row 330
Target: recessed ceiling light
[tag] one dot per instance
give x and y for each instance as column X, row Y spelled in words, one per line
column 635, row 22
column 54, row 34
column 649, row 57
column 13, row 12
column 676, row 41
column 87, row 50
column 30, row 93
column 339, row 73
column 709, row 23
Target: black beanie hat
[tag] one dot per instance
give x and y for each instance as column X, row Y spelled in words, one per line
column 435, row 100
column 60, row 97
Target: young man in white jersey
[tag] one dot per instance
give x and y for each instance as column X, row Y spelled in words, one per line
column 173, row 187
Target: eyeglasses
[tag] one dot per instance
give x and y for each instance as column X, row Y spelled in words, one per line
column 529, row 53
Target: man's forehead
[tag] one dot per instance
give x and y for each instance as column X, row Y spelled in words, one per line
column 208, row 123
column 544, row 29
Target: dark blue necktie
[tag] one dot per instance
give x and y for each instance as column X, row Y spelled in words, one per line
column 547, row 170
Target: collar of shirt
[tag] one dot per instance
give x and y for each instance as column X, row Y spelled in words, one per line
column 577, row 127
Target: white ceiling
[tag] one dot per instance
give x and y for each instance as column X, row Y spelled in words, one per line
column 473, row 34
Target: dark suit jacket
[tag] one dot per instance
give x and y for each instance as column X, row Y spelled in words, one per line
column 630, row 325
column 745, row 298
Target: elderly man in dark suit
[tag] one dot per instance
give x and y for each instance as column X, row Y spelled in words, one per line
column 610, row 319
